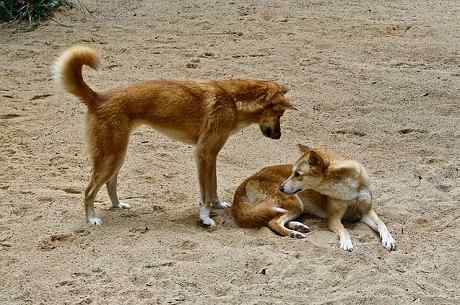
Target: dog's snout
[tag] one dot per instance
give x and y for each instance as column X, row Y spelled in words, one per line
column 272, row 133
column 276, row 135
column 281, row 188
column 266, row 131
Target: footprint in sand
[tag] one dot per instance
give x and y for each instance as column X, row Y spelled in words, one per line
column 57, row 240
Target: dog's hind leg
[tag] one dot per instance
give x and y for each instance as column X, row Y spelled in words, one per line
column 298, row 226
column 376, row 224
column 107, row 147
column 112, row 191
column 103, row 171
column 278, row 225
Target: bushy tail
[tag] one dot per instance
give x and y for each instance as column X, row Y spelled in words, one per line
column 67, row 72
column 249, row 215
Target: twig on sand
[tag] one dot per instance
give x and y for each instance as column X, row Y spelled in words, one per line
column 60, row 23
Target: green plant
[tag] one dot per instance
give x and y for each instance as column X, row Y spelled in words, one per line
column 32, row 11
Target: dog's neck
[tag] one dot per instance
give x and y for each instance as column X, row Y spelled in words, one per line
column 246, row 97
column 246, row 114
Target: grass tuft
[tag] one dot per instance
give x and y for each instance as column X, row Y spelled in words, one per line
column 31, row 11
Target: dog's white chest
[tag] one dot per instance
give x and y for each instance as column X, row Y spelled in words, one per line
column 345, row 189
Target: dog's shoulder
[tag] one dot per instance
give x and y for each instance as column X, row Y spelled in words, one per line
column 343, row 169
column 347, row 177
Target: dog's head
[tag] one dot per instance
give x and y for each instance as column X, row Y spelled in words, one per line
column 307, row 172
column 273, row 103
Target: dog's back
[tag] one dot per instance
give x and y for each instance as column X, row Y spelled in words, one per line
column 257, row 200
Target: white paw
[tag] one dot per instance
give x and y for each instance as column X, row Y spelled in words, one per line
column 298, row 226
column 295, row 234
column 388, row 242
column 222, row 205
column 95, row 221
column 208, row 222
column 205, row 218
column 346, row 244
column 121, row 205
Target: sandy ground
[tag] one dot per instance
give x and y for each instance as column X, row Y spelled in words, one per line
column 378, row 81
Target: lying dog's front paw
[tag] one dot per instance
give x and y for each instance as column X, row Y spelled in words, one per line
column 389, row 243
column 346, row 245
column 95, row 221
column 221, row 205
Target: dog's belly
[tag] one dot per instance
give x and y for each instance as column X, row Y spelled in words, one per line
column 185, row 136
column 177, row 135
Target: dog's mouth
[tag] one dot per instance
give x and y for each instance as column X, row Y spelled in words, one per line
column 270, row 132
column 289, row 192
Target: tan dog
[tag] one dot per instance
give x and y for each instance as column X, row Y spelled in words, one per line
column 201, row 113
column 319, row 183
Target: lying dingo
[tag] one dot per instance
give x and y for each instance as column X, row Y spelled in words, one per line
column 320, row 183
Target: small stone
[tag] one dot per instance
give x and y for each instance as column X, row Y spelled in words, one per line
column 207, row 54
column 191, row 65
column 96, row 270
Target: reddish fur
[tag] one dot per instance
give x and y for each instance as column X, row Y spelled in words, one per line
column 249, row 215
column 68, row 73
column 261, row 213
column 202, row 113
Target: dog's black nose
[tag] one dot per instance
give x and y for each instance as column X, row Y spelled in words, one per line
column 281, row 188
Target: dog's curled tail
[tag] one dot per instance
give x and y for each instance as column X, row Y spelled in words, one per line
column 67, row 72
column 253, row 215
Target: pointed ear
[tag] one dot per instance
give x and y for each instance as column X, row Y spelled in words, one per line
column 303, row 148
column 283, row 89
column 291, row 107
column 316, row 161
column 264, row 92
column 272, row 90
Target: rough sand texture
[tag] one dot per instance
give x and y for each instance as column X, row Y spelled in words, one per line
column 378, row 81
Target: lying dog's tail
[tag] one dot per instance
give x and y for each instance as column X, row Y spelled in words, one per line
column 67, row 72
column 257, row 214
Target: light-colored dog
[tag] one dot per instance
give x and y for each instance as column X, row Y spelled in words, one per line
column 203, row 113
column 320, row 183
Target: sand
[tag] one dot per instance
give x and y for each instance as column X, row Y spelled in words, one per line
column 377, row 81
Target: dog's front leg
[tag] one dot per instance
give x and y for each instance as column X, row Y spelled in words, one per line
column 208, row 188
column 376, row 224
column 336, row 210
column 206, row 156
